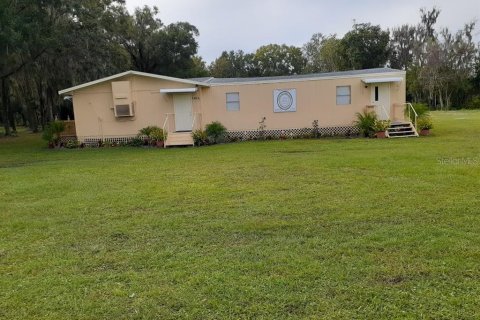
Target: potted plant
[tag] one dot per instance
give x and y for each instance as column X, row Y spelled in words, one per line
column 381, row 127
column 424, row 123
column 158, row 136
column 145, row 133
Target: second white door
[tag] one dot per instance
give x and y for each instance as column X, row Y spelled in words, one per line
column 381, row 98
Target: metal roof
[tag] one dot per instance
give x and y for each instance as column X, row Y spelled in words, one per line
column 299, row 77
column 208, row 81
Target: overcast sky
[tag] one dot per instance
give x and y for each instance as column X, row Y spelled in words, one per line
column 249, row 24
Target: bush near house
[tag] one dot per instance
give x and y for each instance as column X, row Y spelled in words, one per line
column 152, row 134
column 147, row 130
column 200, row 137
column 52, row 133
column 425, row 122
column 381, row 125
column 421, row 109
column 157, row 134
column 216, row 132
column 366, row 123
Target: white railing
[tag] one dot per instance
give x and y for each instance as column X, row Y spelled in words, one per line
column 411, row 109
column 196, row 120
column 166, row 123
column 386, row 115
column 380, row 111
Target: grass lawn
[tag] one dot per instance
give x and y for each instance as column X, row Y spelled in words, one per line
column 333, row 229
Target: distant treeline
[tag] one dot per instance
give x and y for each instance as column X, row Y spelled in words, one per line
column 46, row 46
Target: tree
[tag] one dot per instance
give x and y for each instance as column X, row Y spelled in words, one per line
column 401, row 47
column 24, row 36
column 154, row 47
column 444, row 62
column 198, row 68
column 429, row 19
column 44, row 45
column 232, row 64
column 278, row 60
column 324, row 54
column 366, row 46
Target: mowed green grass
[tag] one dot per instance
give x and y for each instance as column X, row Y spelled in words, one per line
column 327, row 229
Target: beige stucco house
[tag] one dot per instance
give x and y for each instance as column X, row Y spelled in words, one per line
column 117, row 107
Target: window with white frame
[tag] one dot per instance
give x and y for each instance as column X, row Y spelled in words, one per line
column 233, row 101
column 344, row 95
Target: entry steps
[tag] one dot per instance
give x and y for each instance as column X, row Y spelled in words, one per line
column 402, row 130
column 179, row 139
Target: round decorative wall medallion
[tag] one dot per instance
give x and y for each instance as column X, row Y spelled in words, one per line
column 285, row 100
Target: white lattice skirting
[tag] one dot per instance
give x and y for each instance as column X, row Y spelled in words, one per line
column 339, row 131
column 93, row 140
column 293, row 133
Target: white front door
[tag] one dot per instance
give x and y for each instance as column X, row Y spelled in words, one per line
column 381, row 98
column 182, row 104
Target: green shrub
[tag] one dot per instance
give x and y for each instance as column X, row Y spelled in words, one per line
column 72, row 144
column 147, row 131
column 366, row 123
column 136, row 142
column 381, row 125
column 421, row 109
column 200, row 137
column 157, row 134
column 53, row 131
column 216, row 132
column 473, row 103
column 425, row 122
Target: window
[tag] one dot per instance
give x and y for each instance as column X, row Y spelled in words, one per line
column 344, row 95
column 233, row 101
column 376, row 94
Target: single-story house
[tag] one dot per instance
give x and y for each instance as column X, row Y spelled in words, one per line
column 115, row 108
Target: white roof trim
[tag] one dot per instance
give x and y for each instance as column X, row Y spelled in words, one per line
column 134, row 73
column 382, row 80
column 183, row 90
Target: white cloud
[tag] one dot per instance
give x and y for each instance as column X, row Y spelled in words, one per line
column 248, row 24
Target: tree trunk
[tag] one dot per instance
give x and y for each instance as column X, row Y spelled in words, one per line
column 448, row 100
column 441, row 99
column 49, row 102
column 11, row 119
column 32, row 115
column 41, row 100
column 24, row 119
column 5, row 106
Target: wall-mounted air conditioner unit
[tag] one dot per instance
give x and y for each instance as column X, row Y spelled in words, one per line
column 123, row 110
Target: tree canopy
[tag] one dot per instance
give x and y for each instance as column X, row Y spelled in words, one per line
column 49, row 45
